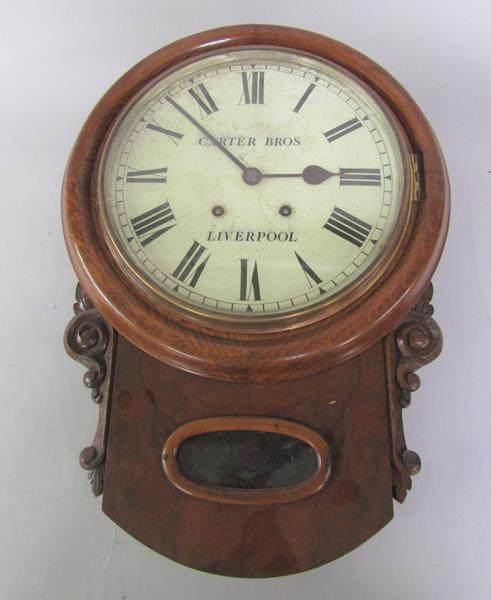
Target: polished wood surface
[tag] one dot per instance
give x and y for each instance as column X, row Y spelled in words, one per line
column 346, row 405
column 344, row 375
column 271, row 355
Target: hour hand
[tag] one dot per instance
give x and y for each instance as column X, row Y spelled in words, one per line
column 313, row 174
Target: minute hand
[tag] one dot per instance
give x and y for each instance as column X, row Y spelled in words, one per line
column 313, row 174
column 209, row 135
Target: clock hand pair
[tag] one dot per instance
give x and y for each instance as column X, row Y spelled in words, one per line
column 313, row 174
column 249, row 174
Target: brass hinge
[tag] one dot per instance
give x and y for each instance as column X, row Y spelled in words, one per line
column 416, row 177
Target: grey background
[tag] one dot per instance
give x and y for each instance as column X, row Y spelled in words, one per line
column 57, row 58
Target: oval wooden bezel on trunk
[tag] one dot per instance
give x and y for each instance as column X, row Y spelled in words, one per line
column 228, row 495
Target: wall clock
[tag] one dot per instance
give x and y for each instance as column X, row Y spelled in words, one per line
column 254, row 214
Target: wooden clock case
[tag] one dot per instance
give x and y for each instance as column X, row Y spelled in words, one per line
column 337, row 380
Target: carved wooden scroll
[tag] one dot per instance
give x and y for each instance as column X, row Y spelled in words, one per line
column 416, row 342
column 91, row 341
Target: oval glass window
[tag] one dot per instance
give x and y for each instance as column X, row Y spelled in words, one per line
column 247, row 459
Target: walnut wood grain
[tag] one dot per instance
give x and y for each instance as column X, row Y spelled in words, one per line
column 329, row 339
column 346, row 405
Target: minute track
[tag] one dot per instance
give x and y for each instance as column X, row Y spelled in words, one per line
column 274, row 183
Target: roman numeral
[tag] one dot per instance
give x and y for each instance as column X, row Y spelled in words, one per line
column 340, row 130
column 148, row 225
column 172, row 135
column 202, row 97
column 309, row 273
column 253, row 88
column 304, row 97
column 359, row 176
column 249, row 282
column 189, row 268
column 348, row 227
column 148, row 176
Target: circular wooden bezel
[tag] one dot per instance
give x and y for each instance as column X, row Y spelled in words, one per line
column 269, row 355
column 243, row 323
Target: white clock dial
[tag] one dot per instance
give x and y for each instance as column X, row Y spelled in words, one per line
column 253, row 182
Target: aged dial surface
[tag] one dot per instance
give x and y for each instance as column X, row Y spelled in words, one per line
column 252, row 182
